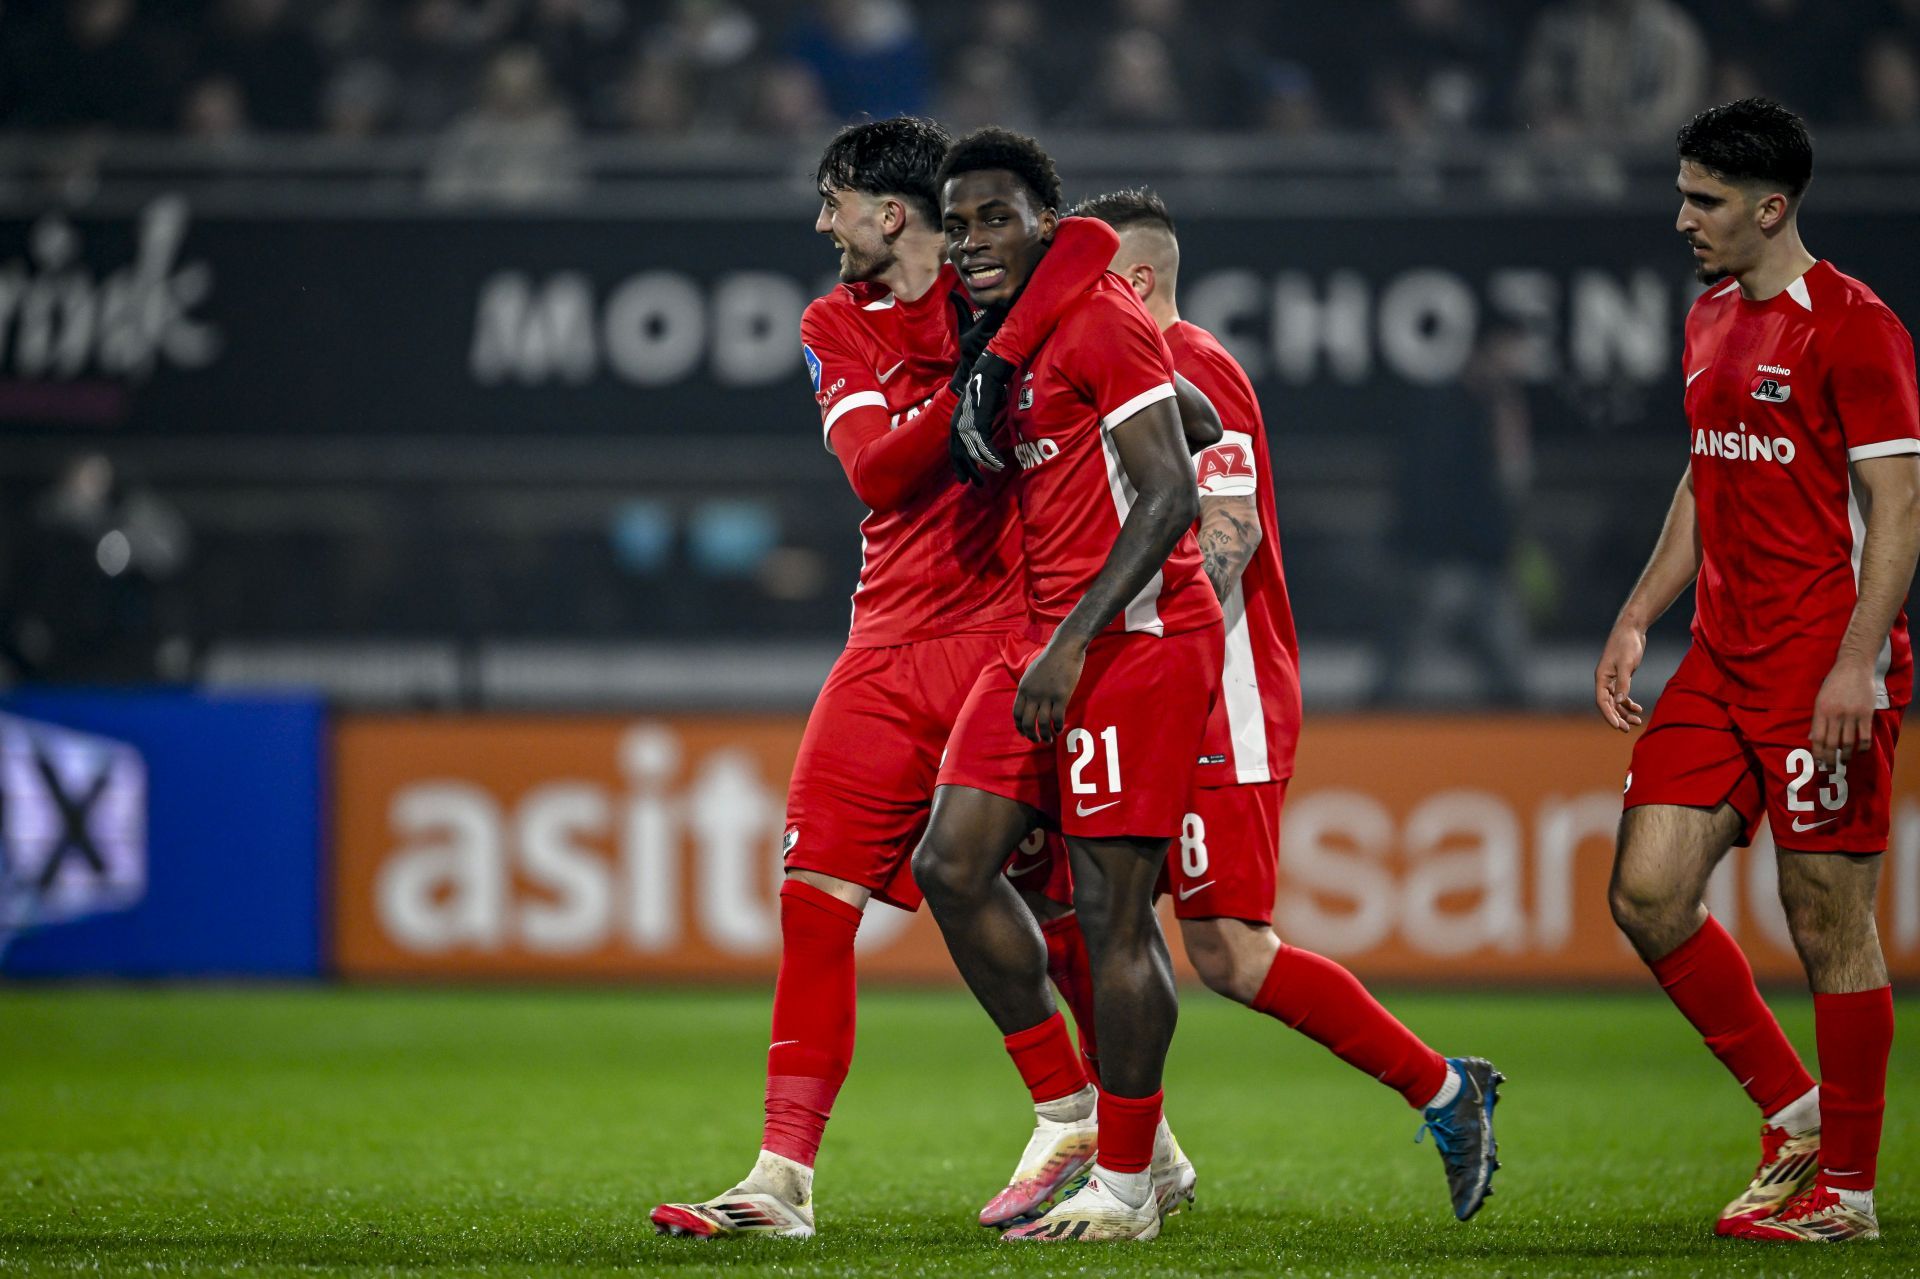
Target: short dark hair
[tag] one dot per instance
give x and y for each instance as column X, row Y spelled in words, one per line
column 1752, row 140
column 900, row 156
column 997, row 148
column 1133, row 206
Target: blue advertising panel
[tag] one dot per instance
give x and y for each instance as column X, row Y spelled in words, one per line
column 160, row 835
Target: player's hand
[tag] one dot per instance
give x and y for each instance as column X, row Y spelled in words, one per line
column 1843, row 713
column 1040, row 705
column 1613, row 678
column 981, row 400
column 973, row 332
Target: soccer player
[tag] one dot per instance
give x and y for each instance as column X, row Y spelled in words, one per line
column 1092, row 719
column 1798, row 525
column 940, row 588
column 1223, row 868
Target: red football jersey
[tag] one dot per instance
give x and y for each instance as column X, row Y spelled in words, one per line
column 1781, row 396
column 948, row 561
column 1257, row 719
column 1104, row 363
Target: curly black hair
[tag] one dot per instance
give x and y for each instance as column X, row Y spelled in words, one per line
column 1752, row 140
column 900, row 156
column 997, row 148
column 1133, row 206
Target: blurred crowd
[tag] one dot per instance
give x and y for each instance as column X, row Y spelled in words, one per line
column 484, row 73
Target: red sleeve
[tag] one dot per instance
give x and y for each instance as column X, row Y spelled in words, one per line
column 887, row 465
column 1082, row 250
column 1871, row 382
column 845, row 387
column 884, row 465
column 1118, row 359
column 1231, row 467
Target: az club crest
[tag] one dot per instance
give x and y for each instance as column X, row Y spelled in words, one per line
column 1772, row 390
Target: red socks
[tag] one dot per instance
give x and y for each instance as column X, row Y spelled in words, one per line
column 1067, row 966
column 1046, row 1060
column 813, row 1003
column 1127, row 1126
column 1711, row 983
column 1327, row 1004
column 1855, row 1033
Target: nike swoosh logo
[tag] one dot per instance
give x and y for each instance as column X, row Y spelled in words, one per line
column 1689, row 380
column 890, row 372
column 1812, row 825
column 1083, row 811
column 782, row 1044
column 1188, row 892
column 1016, row 871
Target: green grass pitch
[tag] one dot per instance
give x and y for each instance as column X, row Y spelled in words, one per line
column 390, row 1132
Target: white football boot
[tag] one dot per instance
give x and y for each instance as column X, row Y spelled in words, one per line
column 1095, row 1214
column 1055, row 1152
column 1173, row 1175
column 776, row 1199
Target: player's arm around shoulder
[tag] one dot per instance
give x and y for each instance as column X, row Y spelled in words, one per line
column 885, row 467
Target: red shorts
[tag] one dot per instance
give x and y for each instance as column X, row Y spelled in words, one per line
column 1226, row 862
column 1124, row 765
column 863, row 780
column 1699, row 751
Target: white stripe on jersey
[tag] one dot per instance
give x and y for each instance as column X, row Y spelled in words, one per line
column 1883, row 662
column 1240, row 688
column 858, row 400
column 1152, row 395
column 1142, row 612
column 1886, row 448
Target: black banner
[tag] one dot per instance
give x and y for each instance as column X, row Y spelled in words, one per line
column 172, row 324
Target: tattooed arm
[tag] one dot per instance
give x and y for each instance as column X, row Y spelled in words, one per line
column 1229, row 533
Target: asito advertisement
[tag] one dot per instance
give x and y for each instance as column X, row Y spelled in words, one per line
column 1415, row 849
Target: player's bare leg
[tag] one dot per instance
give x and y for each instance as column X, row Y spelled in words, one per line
column 1135, row 1009
column 995, row 941
column 812, row 1047
column 998, row 947
column 1174, row 1177
column 1666, row 854
column 1829, row 904
column 1247, row 962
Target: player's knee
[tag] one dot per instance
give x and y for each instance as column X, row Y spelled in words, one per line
column 1220, row 973
column 1641, row 906
column 937, row 871
column 1232, row 958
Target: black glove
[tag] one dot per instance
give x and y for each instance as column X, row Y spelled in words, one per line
column 982, row 398
column 973, row 333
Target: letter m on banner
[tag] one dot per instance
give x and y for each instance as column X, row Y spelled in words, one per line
column 73, row 826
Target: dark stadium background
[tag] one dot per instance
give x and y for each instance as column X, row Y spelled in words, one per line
column 417, row 555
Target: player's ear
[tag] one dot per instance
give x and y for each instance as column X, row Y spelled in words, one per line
column 1140, row 276
column 1771, row 211
column 1049, row 223
column 893, row 217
